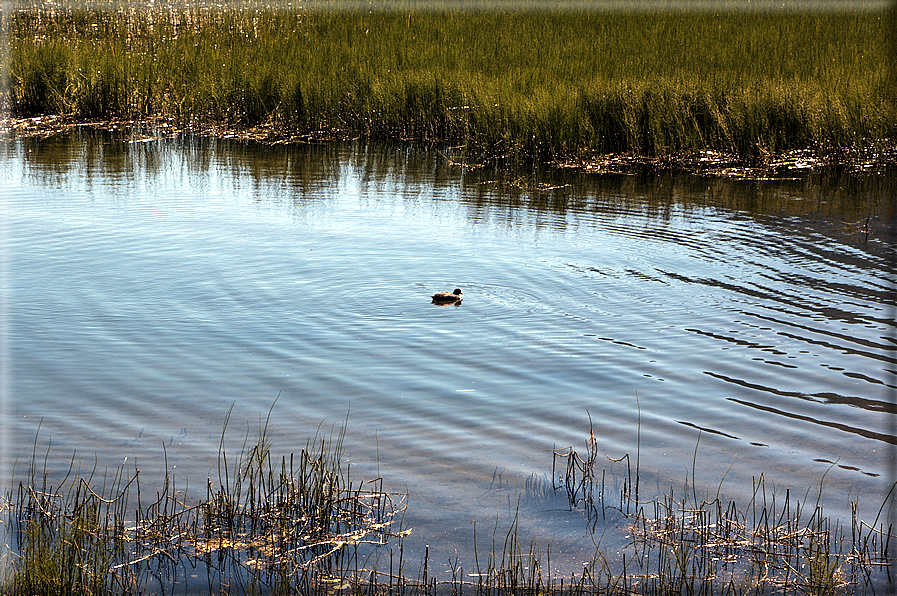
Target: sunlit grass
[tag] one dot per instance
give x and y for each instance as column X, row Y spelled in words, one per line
column 546, row 84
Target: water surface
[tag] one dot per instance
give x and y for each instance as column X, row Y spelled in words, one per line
column 719, row 328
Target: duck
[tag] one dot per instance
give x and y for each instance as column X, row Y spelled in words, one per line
column 448, row 297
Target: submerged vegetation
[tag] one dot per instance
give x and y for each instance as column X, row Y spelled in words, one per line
column 302, row 525
column 560, row 85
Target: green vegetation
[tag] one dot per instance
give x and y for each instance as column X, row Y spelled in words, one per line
column 555, row 85
column 301, row 525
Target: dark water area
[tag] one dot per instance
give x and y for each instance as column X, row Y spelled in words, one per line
column 716, row 329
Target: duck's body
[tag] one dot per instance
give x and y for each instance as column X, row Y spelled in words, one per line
column 448, row 297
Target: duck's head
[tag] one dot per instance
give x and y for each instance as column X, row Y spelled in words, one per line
column 457, row 292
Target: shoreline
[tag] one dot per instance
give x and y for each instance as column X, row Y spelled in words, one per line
column 762, row 166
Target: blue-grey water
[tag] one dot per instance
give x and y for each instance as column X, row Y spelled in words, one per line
column 151, row 286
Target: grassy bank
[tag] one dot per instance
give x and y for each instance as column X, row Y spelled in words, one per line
column 300, row 524
column 553, row 85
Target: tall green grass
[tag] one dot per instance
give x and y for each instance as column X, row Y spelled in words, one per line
column 546, row 84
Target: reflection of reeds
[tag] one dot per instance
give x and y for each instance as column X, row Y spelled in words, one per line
column 556, row 84
column 300, row 525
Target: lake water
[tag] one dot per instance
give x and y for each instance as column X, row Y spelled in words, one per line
column 714, row 327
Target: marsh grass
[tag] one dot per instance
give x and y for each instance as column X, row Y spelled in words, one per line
column 686, row 542
column 268, row 524
column 300, row 524
column 552, row 85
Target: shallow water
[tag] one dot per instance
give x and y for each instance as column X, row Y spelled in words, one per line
column 716, row 328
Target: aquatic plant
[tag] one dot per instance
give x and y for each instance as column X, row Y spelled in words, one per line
column 699, row 543
column 297, row 523
column 291, row 524
column 556, row 85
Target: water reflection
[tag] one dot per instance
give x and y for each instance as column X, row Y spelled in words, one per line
column 835, row 202
column 160, row 281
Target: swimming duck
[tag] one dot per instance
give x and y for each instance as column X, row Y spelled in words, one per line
column 446, row 297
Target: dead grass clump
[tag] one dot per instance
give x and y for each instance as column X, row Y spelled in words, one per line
column 693, row 543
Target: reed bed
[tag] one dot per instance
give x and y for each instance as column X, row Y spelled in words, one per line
column 301, row 525
column 267, row 525
column 562, row 85
column 698, row 543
